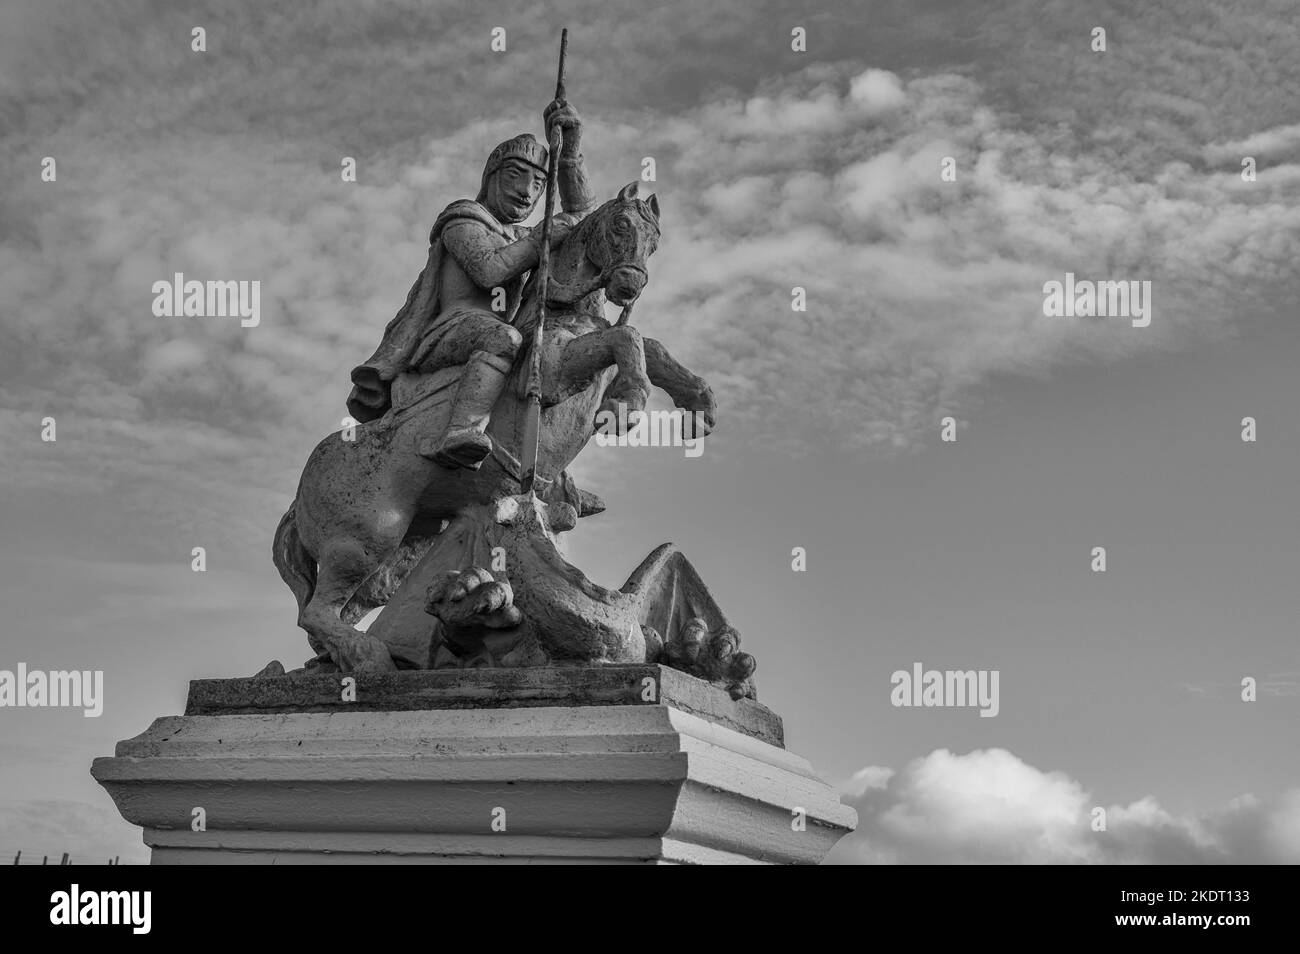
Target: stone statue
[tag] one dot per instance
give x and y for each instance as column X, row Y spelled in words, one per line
column 475, row 248
column 492, row 676
column 422, row 508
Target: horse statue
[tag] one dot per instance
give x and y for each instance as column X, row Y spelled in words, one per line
column 375, row 523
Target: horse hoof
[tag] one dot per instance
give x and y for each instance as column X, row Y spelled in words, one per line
column 626, row 409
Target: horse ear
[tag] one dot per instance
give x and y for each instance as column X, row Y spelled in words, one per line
column 628, row 193
column 653, row 202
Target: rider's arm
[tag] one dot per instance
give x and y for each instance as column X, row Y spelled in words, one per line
column 571, row 177
column 487, row 258
column 575, row 192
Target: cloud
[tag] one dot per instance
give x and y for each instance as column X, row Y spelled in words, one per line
column 868, row 779
column 920, row 291
column 1266, row 144
column 991, row 807
column 775, row 170
column 877, row 91
column 1272, row 682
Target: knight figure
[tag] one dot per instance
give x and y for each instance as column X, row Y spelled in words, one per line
column 479, row 257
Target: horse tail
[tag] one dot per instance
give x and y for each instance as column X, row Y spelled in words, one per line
column 296, row 566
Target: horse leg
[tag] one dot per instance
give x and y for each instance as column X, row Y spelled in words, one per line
column 379, row 587
column 689, row 391
column 587, row 355
column 345, row 563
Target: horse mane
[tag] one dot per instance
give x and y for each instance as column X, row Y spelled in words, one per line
column 597, row 214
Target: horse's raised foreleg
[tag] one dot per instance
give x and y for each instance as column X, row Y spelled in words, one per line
column 587, row 355
column 689, row 391
column 345, row 563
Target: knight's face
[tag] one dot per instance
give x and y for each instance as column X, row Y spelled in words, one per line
column 515, row 189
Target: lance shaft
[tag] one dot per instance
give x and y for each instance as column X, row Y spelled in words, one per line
column 533, row 412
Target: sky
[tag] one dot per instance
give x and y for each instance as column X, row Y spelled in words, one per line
column 774, row 169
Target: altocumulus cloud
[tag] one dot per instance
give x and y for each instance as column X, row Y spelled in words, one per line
column 990, row 807
column 824, row 177
column 921, row 290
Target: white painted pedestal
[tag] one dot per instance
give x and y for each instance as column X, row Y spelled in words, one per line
column 619, row 783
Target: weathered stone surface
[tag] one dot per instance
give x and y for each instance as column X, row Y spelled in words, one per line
column 555, row 686
column 371, row 500
column 441, row 502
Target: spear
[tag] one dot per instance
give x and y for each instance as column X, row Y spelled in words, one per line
column 533, row 413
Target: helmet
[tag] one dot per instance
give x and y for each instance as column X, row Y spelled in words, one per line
column 524, row 146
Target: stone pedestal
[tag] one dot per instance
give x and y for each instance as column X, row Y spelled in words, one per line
column 616, row 764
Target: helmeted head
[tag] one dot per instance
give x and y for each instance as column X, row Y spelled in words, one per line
column 514, row 178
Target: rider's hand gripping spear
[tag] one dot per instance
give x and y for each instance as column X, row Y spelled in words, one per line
column 533, row 412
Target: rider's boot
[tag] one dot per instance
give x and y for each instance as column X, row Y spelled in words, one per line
column 465, row 443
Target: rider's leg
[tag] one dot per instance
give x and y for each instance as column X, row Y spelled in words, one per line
column 493, row 345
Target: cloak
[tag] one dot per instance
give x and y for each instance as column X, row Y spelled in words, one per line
column 371, row 395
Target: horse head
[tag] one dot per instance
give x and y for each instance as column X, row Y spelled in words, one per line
column 608, row 250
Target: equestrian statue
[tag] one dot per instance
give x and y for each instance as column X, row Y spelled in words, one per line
column 442, row 503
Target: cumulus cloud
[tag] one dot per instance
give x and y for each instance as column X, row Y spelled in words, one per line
column 991, row 807
column 867, row 779
column 877, row 91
